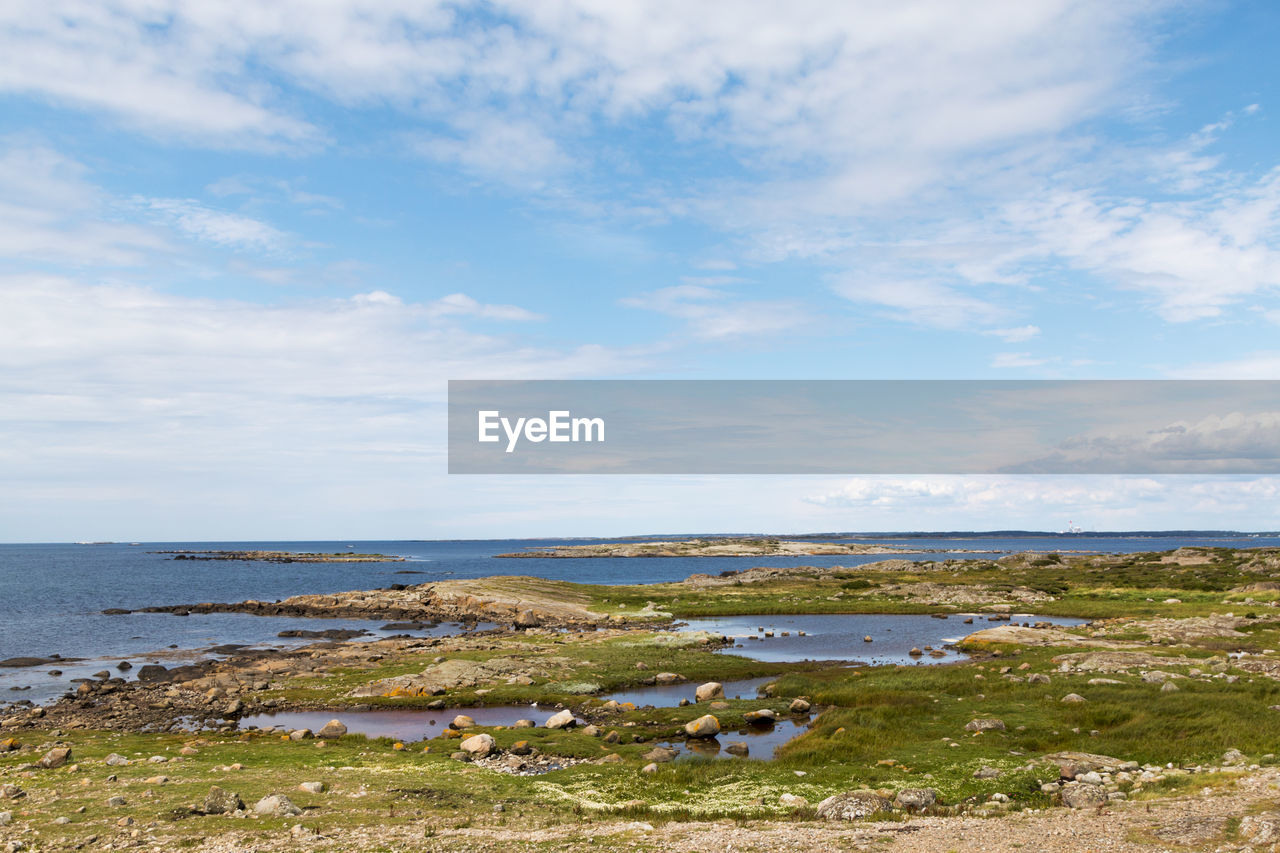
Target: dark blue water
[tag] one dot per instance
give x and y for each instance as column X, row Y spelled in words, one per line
column 51, row 596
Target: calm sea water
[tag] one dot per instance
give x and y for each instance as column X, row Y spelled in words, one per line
column 53, row 595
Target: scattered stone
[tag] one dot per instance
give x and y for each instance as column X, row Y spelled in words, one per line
column 1233, row 758
column 852, row 805
column 521, row 747
column 799, row 706
column 793, row 801
column 1073, row 699
column 1038, row 678
column 300, row 734
column 312, row 787
column 649, row 768
column 116, row 802
column 668, row 678
column 276, row 805
column 660, row 755
column 705, row 726
column 9, row 791
column 218, row 801
column 764, row 715
column 524, row 724
column 156, row 780
column 462, row 721
column 591, row 731
column 1168, row 687
column 986, row 773
column 115, row 760
column 738, row 748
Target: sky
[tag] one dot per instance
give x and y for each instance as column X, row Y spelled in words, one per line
column 243, row 246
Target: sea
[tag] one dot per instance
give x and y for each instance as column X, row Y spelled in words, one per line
column 52, row 595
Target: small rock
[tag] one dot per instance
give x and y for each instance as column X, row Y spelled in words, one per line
column 1073, row 699
column 649, row 768
column 116, row 802
column 1232, row 758
column 524, row 724
column 986, row 773
column 1038, row 678
column 1168, row 687
column 300, row 734
column 793, row 801
column 591, row 731
column 312, row 787
column 799, row 706
column 9, row 791
column 738, row 748
column 521, row 747
column 462, row 721
column 668, row 678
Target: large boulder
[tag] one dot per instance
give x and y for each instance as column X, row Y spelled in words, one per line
column 1077, row 795
column 55, row 757
column 276, row 805
column 916, row 799
column 462, row 721
column 799, row 706
column 705, row 726
column 219, row 801
column 764, row 716
column 668, row 678
column 985, row 724
column 332, row 729
column 562, row 720
column 710, row 690
column 478, row 746
column 852, row 805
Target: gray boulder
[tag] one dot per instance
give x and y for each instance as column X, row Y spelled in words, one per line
column 852, row 805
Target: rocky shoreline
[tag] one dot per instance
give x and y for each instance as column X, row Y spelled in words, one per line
column 282, row 556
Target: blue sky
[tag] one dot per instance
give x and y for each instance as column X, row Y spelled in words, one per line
column 242, row 248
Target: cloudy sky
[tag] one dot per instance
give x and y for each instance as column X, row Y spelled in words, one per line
column 243, row 245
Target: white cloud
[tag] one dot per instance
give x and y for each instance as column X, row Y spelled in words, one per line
column 1046, row 503
column 712, row 315
column 921, row 301
column 1006, row 360
column 50, row 212
column 1015, row 335
column 218, row 227
column 1193, row 258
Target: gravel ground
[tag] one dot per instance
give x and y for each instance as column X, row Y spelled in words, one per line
column 1194, row 822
